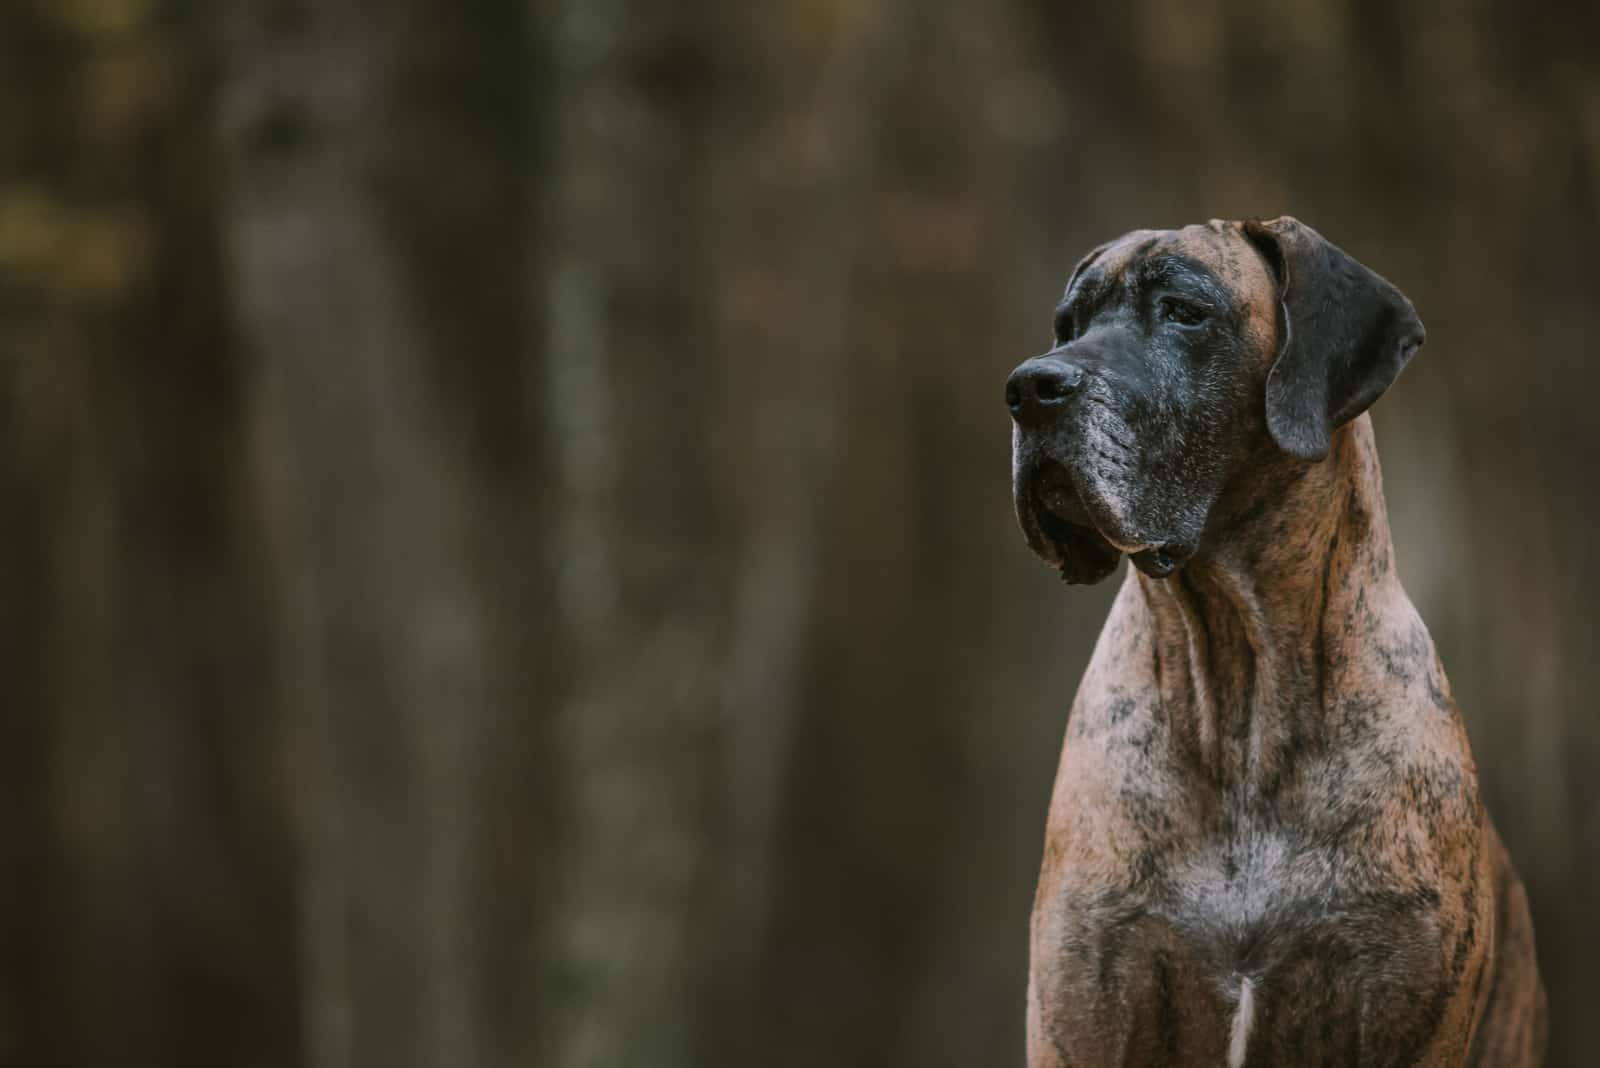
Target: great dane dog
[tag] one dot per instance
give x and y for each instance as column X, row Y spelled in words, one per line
column 1266, row 844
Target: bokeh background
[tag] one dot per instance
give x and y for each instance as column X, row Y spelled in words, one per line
column 504, row 523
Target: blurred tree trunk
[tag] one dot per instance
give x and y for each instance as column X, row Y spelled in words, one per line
column 794, row 156
column 868, row 260
column 640, row 595
column 373, row 220
column 145, row 906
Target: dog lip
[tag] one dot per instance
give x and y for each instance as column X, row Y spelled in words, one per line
column 1057, row 493
column 1053, row 505
column 1059, row 528
column 1032, row 515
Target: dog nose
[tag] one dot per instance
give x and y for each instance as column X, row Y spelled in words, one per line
column 1038, row 388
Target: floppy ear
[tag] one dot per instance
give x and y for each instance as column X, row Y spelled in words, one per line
column 1346, row 334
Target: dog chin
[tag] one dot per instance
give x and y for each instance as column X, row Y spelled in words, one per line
column 1070, row 526
column 1084, row 555
column 1078, row 552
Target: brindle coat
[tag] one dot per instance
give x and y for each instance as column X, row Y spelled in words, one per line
column 1266, row 844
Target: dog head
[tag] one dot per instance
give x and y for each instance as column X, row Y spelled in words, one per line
column 1182, row 361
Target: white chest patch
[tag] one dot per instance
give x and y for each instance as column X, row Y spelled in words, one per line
column 1243, row 1016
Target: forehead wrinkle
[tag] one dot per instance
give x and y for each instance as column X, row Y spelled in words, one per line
column 1092, row 287
column 1106, row 266
column 1171, row 270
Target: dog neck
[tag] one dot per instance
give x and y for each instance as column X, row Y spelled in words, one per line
column 1242, row 632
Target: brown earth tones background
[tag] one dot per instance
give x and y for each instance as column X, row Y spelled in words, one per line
column 506, row 541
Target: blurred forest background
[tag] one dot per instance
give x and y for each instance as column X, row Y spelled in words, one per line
column 505, row 528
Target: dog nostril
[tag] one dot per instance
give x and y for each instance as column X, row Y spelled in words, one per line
column 1052, row 388
column 1039, row 387
column 1057, row 383
column 1013, row 398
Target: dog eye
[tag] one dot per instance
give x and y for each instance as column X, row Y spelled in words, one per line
column 1181, row 312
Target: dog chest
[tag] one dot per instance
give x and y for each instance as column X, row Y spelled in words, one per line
column 1259, row 946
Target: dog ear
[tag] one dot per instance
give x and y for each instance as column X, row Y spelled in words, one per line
column 1346, row 334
